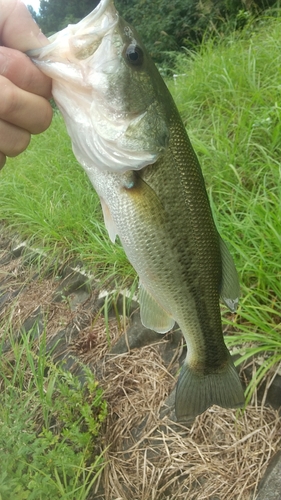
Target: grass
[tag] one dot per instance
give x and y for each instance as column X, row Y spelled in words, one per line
column 49, row 428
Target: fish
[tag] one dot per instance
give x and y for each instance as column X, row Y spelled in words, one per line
column 127, row 134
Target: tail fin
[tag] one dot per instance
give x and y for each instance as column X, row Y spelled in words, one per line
column 197, row 392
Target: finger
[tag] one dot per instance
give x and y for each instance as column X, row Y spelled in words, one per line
column 23, row 109
column 18, row 68
column 13, row 140
column 17, row 27
column 2, row 160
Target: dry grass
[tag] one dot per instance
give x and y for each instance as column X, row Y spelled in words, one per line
column 221, row 456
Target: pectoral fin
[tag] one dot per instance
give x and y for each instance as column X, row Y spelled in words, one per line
column 153, row 316
column 230, row 289
column 108, row 221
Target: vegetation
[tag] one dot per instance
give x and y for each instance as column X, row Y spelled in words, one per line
column 50, row 427
column 170, row 26
column 165, row 27
column 54, row 15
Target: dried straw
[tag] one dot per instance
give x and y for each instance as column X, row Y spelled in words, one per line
column 221, row 456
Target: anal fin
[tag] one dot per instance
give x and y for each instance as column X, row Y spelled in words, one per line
column 153, row 316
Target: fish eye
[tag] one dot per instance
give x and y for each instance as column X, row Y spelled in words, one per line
column 134, row 54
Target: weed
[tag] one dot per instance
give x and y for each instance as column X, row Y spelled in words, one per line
column 50, row 427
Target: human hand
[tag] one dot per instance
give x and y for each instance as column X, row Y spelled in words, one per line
column 24, row 90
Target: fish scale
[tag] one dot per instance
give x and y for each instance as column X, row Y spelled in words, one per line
column 128, row 136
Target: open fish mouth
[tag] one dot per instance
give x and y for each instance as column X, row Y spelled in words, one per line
column 122, row 122
column 82, row 38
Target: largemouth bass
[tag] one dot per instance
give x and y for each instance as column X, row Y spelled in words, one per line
column 127, row 134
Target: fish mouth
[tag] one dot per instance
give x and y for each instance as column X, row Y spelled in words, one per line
column 122, row 125
column 83, row 37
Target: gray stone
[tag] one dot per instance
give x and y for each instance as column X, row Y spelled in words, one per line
column 273, row 393
column 59, row 344
column 168, row 349
column 77, row 298
column 5, row 240
column 74, row 282
column 6, row 297
column 273, row 397
column 34, row 322
column 18, row 250
column 137, row 336
column 270, row 485
column 71, row 266
column 131, row 306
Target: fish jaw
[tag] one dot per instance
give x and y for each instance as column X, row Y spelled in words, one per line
column 122, row 123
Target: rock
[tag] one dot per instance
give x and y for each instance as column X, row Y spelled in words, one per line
column 136, row 336
column 273, row 393
column 75, row 282
column 6, row 259
column 34, row 322
column 273, row 396
column 6, row 297
column 18, row 250
column 270, row 485
column 59, row 345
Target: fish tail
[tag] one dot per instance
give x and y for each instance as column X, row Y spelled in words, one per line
column 196, row 392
